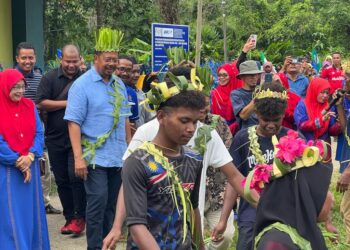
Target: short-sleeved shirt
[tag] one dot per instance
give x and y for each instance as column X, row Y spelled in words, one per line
column 240, row 98
column 134, row 103
column 32, row 80
column 216, row 180
column 299, row 86
column 51, row 86
column 245, row 161
column 149, row 201
column 335, row 77
column 90, row 105
column 215, row 156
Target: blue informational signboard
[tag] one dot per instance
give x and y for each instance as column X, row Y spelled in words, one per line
column 165, row 36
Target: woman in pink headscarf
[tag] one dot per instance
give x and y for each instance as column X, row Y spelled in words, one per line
column 220, row 96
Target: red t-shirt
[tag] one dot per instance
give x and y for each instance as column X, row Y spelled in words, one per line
column 334, row 76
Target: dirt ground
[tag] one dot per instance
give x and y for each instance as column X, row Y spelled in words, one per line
column 59, row 241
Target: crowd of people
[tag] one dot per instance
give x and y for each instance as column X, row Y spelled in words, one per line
column 163, row 160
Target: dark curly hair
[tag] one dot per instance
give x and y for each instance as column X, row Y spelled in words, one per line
column 191, row 99
column 271, row 106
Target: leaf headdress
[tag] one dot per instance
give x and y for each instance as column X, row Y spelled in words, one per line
column 108, row 40
column 160, row 92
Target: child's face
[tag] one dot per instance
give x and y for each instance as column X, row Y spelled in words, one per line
column 268, row 125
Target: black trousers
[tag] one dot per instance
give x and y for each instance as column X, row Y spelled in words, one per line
column 70, row 188
column 102, row 188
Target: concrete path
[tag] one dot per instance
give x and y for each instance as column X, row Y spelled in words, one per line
column 59, row 241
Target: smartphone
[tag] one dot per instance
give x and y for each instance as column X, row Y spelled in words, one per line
column 268, row 77
column 253, row 37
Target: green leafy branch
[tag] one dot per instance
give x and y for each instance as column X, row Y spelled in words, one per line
column 204, row 135
column 254, row 145
column 91, row 147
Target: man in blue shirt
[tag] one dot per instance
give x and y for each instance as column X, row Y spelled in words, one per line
column 97, row 113
column 298, row 83
column 124, row 68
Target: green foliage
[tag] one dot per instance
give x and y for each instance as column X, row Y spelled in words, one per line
column 141, row 50
column 283, row 26
column 176, row 55
column 91, row 147
column 108, row 40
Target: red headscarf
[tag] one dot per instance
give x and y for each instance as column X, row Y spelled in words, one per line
column 17, row 125
column 221, row 103
column 313, row 107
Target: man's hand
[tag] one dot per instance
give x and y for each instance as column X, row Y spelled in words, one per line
column 248, row 46
column 81, row 168
column 287, row 61
column 219, row 229
column 110, row 242
column 343, row 181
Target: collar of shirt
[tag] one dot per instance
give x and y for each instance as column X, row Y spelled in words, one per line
column 29, row 75
column 300, row 76
column 96, row 77
column 61, row 73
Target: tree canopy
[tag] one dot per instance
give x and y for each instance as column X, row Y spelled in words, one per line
column 283, row 26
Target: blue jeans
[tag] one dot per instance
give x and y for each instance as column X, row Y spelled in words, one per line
column 245, row 236
column 102, row 188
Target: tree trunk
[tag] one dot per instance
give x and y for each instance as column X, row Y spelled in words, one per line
column 169, row 10
column 99, row 13
column 199, row 32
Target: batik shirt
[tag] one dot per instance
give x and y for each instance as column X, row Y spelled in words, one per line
column 216, row 180
column 148, row 200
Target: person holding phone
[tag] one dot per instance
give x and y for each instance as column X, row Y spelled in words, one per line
column 248, row 46
column 298, row 82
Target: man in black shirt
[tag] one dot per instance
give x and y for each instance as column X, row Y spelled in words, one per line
column 156, row 174
column 253, row 145
column 52, row 97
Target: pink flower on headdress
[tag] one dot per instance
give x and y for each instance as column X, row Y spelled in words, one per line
column 292, row 134
column 290, row 147
column 262, row 173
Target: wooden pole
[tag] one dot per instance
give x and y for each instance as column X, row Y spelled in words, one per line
column 199, row 32
column 224, row 26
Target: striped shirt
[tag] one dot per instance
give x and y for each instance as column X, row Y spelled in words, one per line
column 33, row 80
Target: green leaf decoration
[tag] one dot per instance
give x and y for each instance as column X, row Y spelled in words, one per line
column 91, row 147
column 292, row 232
column 177, row 190
column 205, row 75
column 176, row 55
column 254, row 145
column 108, row 40
column 204, row 135
column 180, row 81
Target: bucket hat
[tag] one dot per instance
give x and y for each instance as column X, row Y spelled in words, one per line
column 249, row 67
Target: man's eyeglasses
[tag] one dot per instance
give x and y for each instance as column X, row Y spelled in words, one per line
column 122, row 69
column 19, row 87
